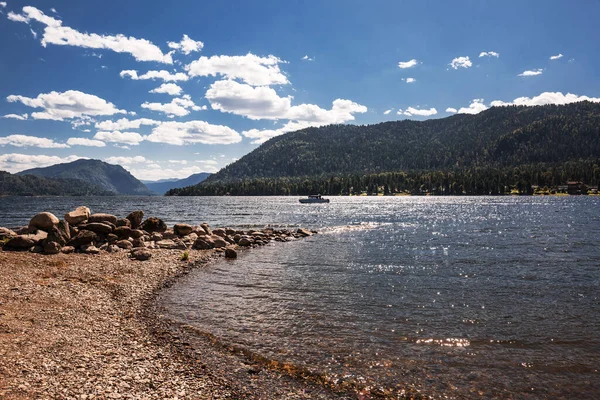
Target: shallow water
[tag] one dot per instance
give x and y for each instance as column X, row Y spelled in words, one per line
column 461, row 297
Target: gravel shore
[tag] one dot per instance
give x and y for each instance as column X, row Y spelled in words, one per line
column 85, row 326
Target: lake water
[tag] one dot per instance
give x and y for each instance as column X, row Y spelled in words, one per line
column 458, row 297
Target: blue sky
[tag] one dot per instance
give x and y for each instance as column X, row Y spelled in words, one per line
column 170, row 89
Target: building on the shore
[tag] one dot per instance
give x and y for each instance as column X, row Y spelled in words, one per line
column 576, row 187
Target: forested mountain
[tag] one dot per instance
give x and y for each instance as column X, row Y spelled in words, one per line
column 161, row 187
column 31, row 185
column 474, row 154
column 110, row 178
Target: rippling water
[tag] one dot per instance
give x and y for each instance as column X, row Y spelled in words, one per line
column 456, row 296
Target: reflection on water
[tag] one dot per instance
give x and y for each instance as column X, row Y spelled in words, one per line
column 458, row 297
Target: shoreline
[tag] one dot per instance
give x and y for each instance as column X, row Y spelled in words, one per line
column 71, row 328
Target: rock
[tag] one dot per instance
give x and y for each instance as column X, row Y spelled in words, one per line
column 154, row 224
column 123, row 232
column 136, row 218
column 136, row 233
column 44, row 221
column 245, row 241
column 124, row 244
column 6, row 233
column 111, row 237
column 26, row 230
column 230, row 253
column 37, row 249
column 123, row 222
column 103, row 218
column 61, row 233
column 191, row 238
column 169, row 234
column 219, row 243
column 78, row 215
column 73, row 231
column 141, row 254
column 230, row 231
column 52, row 247
column 112, row 248
column 203, row 244
column 182, row 229
column 82, row 238
column 237, row 237
column 157, row 237
column 104, row 246
column 304, row 232
column 206, row 228
column 219, row 232
column 20, row 242
column 67, row 249
column 167, row 244
column 97, row 227
column 90, row 249
column 138, row 242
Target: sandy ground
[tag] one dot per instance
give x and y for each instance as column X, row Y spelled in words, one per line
column 85, row 326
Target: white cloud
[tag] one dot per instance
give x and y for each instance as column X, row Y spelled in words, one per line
column 341, row 111
column 85, row 142
column 186, row 45
column 410, row 111
column 130, row 138
column 125, row 123
column 18, row 162
column 53, row 10
column 122, row 146
column 386, row 112
column 261, row 136
column 407, row 64
column 168, row 88
column 461, row 62
column 489, row 54
column 126, row 160
column 177, row 107
column 532, row 72
column 69, row 104
column 252, row 69
column 307, row 58
column 180, row 133
column 147, row 172
column 162, row 74
column 475, row 107
column 31, row 141
column 33, row 33
column 182, row 162
column 2, row 4
column 451, row 110
column 556, row 57
column 546, row 98
column 21, row 117
column 410, row 80
column 56, row 33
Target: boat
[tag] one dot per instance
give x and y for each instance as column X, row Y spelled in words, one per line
column 314, row 198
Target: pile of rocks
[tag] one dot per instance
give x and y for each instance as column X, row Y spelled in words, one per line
column 81, row 231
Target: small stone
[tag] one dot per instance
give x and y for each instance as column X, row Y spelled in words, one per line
column 90, row 249
column 67, row 249
column 141, row 254
column 304, row 232
column 124, row 244
column 52, row 247
column 245, row 241
column 230, row 253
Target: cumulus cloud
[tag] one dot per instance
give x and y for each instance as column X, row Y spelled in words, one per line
column 70, row 104
column 252, row 69
column 177, row 107
column 556, row 57
column 168, row 88
column 411, row 111
column 21, row 117
column 85, row 142
column 546, row 98
column 489, row 54
column 451, row 110
column 126, row 160
column 461, row 62
column 180, row 133
column 162, row 74
column 532, row 72
column 31, row 141
column 475, row 107
column 186, row 45
column 261, row 136
column 407, row 64
column 124, row 123
column 130, row 138
column 147, row 172
column 57, row 34
column 18, row 162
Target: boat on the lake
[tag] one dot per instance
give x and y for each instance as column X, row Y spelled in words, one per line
column 314, row 198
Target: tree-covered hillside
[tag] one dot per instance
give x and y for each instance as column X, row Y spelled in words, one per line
column 31, row 185
column 500, row 146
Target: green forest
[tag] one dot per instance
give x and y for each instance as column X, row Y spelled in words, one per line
column 31, row 185
column 500, row 150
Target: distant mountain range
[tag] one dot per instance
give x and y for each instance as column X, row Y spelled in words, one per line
column 164, row 185
column 501, row 147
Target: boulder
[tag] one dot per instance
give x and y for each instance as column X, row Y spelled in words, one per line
column 141, row 254
column 90, row 249
column 73, row 231
column 97, row 227
column 136, row 233
column 20, row 242
column 191, row 238
column 113, row 248
column 124, row 244
column 169, row 234
column 230, row 231
column 245, row 241
column 52, row 247
column 154, row 224
column 182, row 229
column 219, row 232
column 203, row 244
column 111, row 238
column 67, row 249
column 123, row 222
column 26, row 230
column 6, row 233
column 135, row 218
column 138, row 242
column 171, row 244
column 219, row 243
column 303, row 232
column 156, row 237
column 78, row 215
column 230, row 253
column 206, row 228
column 37, row 249
column 44, row 221
column 123, row 232
column 100, row 217
column 60, row 234
column 82, row 238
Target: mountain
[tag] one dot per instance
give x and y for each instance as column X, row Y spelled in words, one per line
column 111, row 178
column 476, row 153
column 31, row 185
column 164, row 185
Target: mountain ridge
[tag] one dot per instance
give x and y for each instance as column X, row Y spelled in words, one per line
column 164, row 185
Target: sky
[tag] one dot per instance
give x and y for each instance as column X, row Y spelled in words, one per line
column 168, row 89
